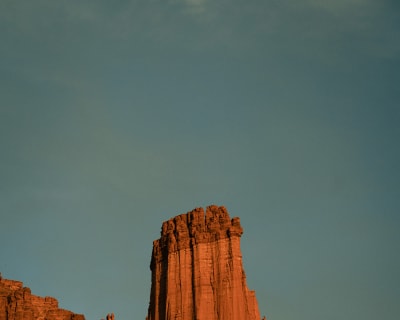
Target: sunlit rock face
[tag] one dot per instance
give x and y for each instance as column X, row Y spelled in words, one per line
column 197, row 270
column 18, row 303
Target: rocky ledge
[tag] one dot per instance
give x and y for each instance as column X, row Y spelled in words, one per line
column 18, row 303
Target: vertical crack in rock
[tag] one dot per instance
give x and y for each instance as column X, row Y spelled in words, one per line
column 197, row 271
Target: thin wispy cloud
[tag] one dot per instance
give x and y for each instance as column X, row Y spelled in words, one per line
column 341, row 5
column 193, row 6
column 225, row 23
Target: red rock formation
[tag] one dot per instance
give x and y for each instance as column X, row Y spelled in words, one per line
column 110, row 316
column 17, row 303
column 197, row 271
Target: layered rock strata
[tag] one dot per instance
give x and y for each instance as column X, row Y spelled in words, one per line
column 197, row 271
column 18, row 303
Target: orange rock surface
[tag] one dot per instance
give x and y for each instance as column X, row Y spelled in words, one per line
column 197, row 271
column 17, row 303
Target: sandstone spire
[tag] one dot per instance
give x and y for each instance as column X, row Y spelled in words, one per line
column 197, row 271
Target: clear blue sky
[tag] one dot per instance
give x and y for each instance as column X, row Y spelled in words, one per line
column 117, row 115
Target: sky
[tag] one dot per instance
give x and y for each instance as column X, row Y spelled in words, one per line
column 118, row 115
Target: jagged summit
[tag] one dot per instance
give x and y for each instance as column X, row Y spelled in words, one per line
column 194, row 227
column 197, row 271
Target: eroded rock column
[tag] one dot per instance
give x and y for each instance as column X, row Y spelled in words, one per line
column 197, row 270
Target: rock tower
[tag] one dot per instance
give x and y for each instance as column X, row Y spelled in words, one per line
column 197, row 270
column 18, row 303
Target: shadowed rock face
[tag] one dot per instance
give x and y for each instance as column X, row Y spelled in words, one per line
column 17, row 303
column 197, row 271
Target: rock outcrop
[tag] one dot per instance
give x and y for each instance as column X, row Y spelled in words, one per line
column 18, row 303
column 197, row 271
column 110, row 316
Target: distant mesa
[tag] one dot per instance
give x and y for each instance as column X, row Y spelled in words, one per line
column 197, row 270
column 18, row 303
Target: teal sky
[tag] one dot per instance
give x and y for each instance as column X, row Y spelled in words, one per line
column 117, row 115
